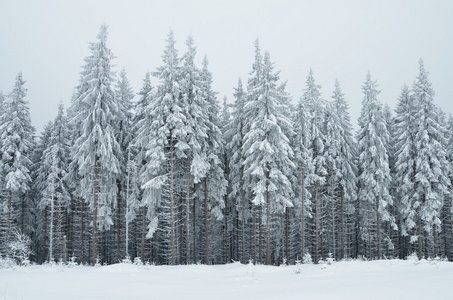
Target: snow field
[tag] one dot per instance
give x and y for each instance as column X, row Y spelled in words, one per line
column 386, row 279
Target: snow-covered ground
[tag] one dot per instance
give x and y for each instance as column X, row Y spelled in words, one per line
column 389, row 279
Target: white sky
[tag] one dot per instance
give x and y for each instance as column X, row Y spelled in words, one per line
column 48, row 40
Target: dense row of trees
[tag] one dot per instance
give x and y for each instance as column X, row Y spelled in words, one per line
column 174, row 178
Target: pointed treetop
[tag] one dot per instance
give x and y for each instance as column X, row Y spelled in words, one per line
column 369, row 88
column 146, row 88
column 205, row 62
column 102, row 35
column 422, row 84
column 19, row 91
column 189, row 56
column 312, row 93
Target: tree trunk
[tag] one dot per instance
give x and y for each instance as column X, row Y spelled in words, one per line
column 60, row 243
column 268, row 222
column 436, row 250
column 253, row 235
column 243, row 214
column 235, row 244
column 194, row 231
column 316, row 223
column 51, row 227
column 419, row 234
column 142, row 246
column 302, row 230
column 44, row 238
column 378, row 223
column 8, row 217
column 22, row 218
column 333, row 216
column 225, row 230
column 187, row 220
column 287, row 235
column 171, row 200
column 260, row 234
column 207, row 223
column 95, row 206
column 342, row 212
column 118, row 221
column 82, row 229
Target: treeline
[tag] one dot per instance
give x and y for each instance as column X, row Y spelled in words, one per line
column 176, row 178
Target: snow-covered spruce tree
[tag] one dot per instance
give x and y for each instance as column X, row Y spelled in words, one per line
column 346, row 174
column 448, row 205
column 340, row 173
column 255, row 219
column 374, row 172
column 229, row 207
column 124, row 95
column 234, row 137
column 136, row 226
column 195, row 106
column 404, row 168
column 163, row 139
column 315, row 106
column 304, row 167
column 214, row 182
column 268, row 155
column 79, row 214
column 55, row 193
column 40, row 172
column 332, row 208
column 17, row 144
column 393, row 210
column 96, row 150
column 431, row 166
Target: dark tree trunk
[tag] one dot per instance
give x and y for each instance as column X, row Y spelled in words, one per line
column 118, row 221
column 207, row 223
column 95, row 212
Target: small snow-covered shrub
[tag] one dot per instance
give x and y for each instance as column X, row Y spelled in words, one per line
column 98, row 262
column 138, row 261
column 6, row 262
column 127, row 260
column 307, row 258
column 72, row 262
column 330, row 259
column 284, row 262
column 413, row 258
column 361, row 258
column 20, row 248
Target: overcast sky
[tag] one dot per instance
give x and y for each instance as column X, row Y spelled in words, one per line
column 48, row 40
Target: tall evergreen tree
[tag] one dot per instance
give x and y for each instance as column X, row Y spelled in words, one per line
column 405, row 166
column 55, row 192
column 214, row 181
column 124, row 96
column 268, row 156
column 164, row 142
column 448, row 205
column 374, row 173
column 17, row 146
column 431, row 173
column 303, row 178
column 39, row 175
column 346, row 174
column 235, row 136
column 136, row 161
column 315, row 106
column 96, row 150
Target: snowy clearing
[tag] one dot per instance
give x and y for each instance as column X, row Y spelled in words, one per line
column 389, row 279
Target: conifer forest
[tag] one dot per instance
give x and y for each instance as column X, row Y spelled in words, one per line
column 172, row 175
